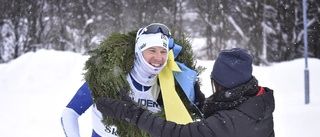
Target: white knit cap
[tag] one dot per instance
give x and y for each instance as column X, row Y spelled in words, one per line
column 146, row 41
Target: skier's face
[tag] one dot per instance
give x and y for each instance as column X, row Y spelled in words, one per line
column 156, row 56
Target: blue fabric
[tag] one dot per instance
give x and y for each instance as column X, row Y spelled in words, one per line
column 175, row 47
column 186, row 78
column 82, row 100
column 95, row 134
column 139, row 86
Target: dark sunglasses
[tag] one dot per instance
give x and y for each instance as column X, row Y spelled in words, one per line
column 156, row 28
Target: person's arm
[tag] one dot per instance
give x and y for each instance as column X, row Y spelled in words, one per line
column 69, row 122
column 80, row 102
column 158, row 126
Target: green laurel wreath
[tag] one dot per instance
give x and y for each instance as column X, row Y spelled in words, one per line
column 108, row 66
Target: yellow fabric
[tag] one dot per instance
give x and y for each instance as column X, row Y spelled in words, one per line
column 174, row 108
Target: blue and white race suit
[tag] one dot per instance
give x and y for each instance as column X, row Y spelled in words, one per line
column 82, row 100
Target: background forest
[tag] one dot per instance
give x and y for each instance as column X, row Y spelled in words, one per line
column 272, row 30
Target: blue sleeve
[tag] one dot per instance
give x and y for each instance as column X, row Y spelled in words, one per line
column 82, row 100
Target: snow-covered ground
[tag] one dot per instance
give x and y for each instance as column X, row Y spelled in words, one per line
column 36, row 87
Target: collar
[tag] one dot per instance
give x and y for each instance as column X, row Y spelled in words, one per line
column 261, row 91
column 138, row 86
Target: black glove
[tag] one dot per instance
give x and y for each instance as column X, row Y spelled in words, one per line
column 118, row 109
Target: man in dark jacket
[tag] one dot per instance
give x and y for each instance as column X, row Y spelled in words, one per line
column 238, row 107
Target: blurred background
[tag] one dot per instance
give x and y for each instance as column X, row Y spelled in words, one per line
column 272, row 30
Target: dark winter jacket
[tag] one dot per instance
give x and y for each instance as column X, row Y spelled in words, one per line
column 246, row 117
